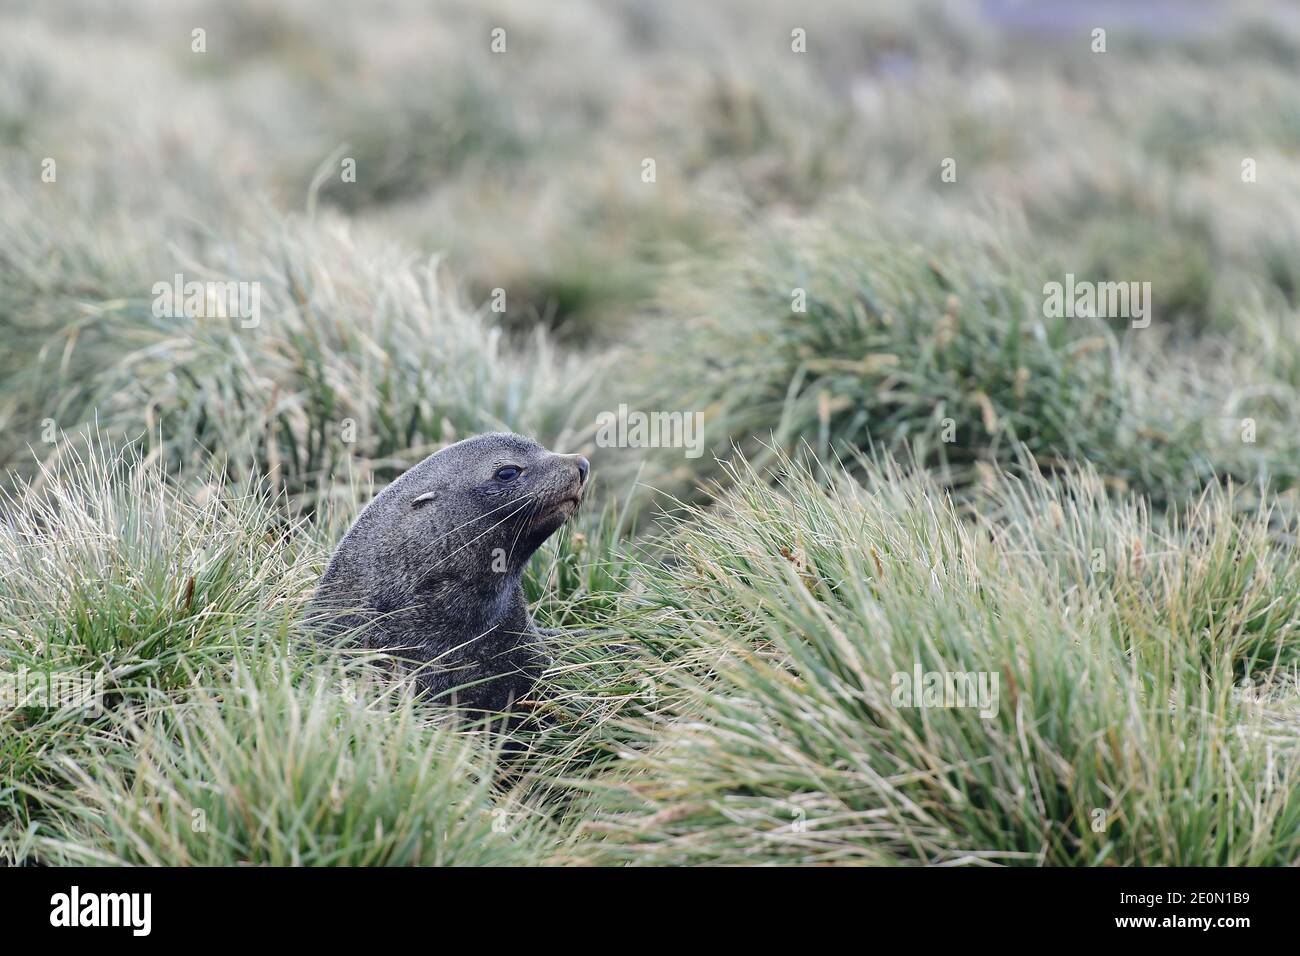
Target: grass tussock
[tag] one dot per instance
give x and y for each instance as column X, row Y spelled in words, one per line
column 1122, row 731
column 352, row 371
column 286, row 768
column 738, row 704
column 114, row 575
column 223, row 731
column 844, row 336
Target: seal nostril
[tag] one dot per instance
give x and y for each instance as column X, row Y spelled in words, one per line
column 583, row 467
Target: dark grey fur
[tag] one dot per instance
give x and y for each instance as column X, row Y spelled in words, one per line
column 431, row 569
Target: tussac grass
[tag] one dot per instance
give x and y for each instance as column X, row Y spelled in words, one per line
column 793, row 604
column 287, row 769
column 218, row 706
column 354, row 370
column 722, row 691
column 848, row 335
column 109, row 570
column 735, row 707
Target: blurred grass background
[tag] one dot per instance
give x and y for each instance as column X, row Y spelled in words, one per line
column 923, row 342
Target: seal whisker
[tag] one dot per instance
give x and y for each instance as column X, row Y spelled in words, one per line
column 482, row 517
column 483, row 534
column 526, row 523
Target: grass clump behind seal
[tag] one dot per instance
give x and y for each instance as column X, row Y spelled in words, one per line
column 850, row 336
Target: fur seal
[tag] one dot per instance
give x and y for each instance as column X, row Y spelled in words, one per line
column 430, row 570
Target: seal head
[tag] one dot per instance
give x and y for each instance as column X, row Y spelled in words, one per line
column 431, row 568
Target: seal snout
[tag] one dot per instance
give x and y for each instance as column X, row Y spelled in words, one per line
column 580, row 462
column 575, row 483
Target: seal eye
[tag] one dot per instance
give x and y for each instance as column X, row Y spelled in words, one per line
column 508, row 473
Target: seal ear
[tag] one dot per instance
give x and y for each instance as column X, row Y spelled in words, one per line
column 424, row 499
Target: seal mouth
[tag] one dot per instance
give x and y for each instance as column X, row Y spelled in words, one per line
column 565, row 506
column 560, row 505
column 550, row 519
